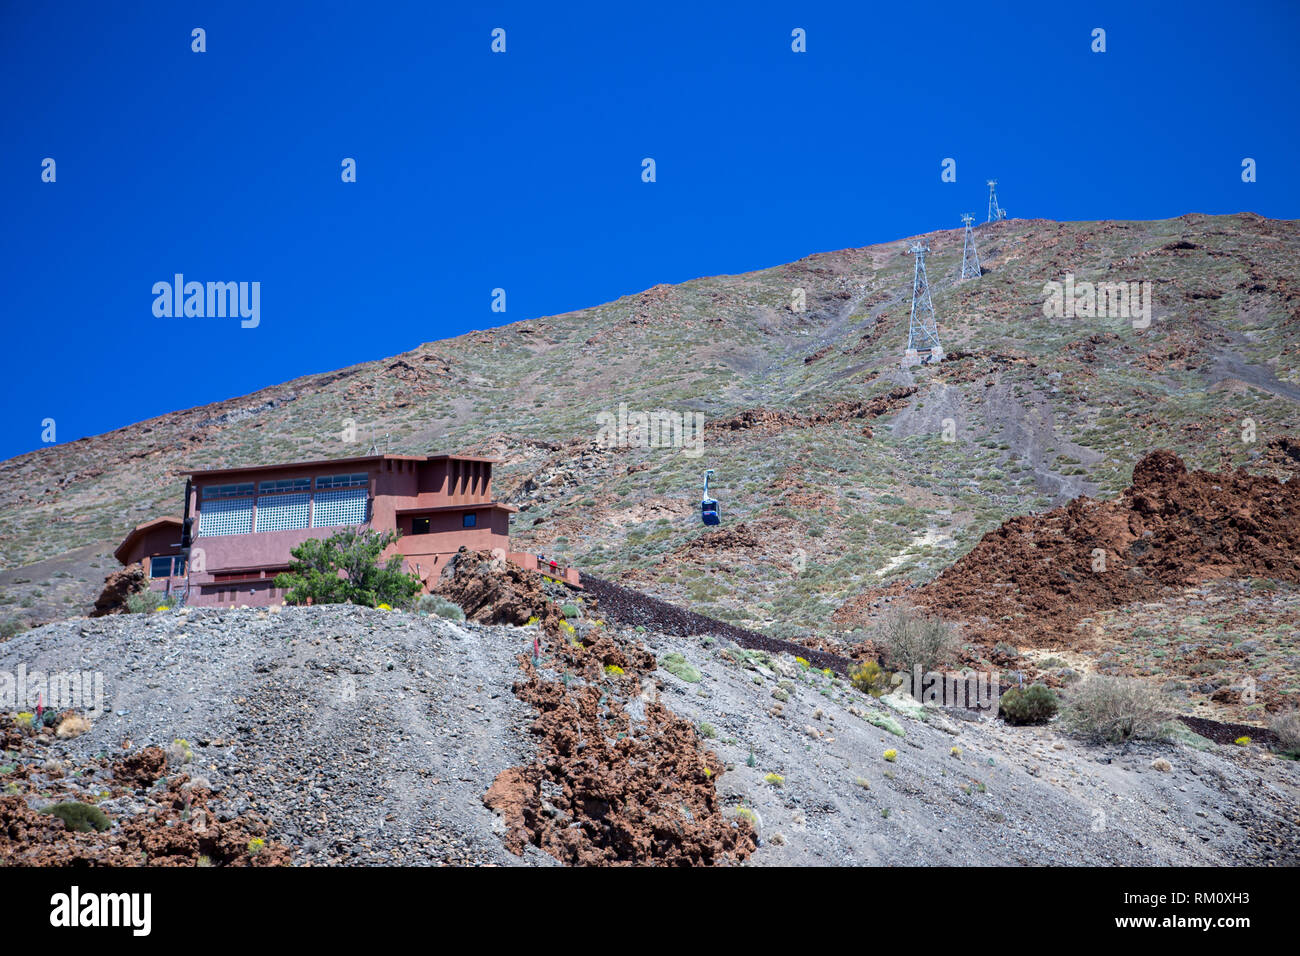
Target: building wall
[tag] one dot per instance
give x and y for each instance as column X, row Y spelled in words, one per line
column 427, row 554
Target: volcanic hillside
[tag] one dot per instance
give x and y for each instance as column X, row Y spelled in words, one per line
column 831, row 462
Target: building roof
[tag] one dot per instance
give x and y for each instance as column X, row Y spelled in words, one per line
column 139, row 531
column 334, row 462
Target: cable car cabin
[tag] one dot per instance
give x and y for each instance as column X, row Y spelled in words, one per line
column 709, row 506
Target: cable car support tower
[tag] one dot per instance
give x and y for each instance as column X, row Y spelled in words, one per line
column 970, row 257
column 923, row 330
column 996, row 212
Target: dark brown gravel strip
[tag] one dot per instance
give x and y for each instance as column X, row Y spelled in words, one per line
column 633, row 608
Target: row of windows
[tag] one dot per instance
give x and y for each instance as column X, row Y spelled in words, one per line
column 344, row 481
column 285, row 486
column 344, row 506
column 227, row 491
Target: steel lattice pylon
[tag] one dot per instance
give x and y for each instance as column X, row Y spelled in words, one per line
column 970, row 257
column 922, row 329
column 996, row 212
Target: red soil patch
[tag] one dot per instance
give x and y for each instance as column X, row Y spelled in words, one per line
column 773, row 420
column 175, row 828
column 607, row 788
column 142, row 768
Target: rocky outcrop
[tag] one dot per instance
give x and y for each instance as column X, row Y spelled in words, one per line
column 773, row 419
column 491, row 590
column 1033, row 578
column 119, row 586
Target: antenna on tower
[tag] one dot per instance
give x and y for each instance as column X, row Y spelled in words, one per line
column 996, row 212
column 970, row 257
column 923, row 330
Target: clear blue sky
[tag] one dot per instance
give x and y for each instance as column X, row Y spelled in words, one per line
column 523, row 170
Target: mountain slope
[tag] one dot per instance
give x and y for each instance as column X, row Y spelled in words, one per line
column 822, row 498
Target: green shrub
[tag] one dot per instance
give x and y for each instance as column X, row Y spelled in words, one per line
column 707, row 730
column 571, row 611
column 1035, row 704
column 1116, row 709
column 680, row 667
column 345, row 567
column 439, row 606
column 11, row 626
column 143, row 602
column 80, row 817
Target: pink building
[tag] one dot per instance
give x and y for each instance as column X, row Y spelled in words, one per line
column 246, row 521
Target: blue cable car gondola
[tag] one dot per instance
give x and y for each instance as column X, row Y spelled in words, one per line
column 709, row 506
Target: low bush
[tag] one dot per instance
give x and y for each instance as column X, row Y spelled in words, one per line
column 911, row 638
column 439, row 606
column 870, row 678
column 80, row 817
column 1287, row 727
column 680, row 667
column 142, row 602
column 11, row 626
column 1035, row 704
column 1116, row 709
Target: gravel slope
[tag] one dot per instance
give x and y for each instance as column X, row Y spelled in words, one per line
column 368, row 737
column 362, row 737
column 1013, row 796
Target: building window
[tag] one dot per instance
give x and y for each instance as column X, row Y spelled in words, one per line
column 470, row 520
column 344, row 481
column 165, row 566
column 228, row 491
column 344, row 506
column 419, row 526
column 282, row 512
column 226, row 516
column 283, row 487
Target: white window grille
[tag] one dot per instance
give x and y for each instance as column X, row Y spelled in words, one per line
column 226, row 516
column 338, row 507
column 281, row 512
